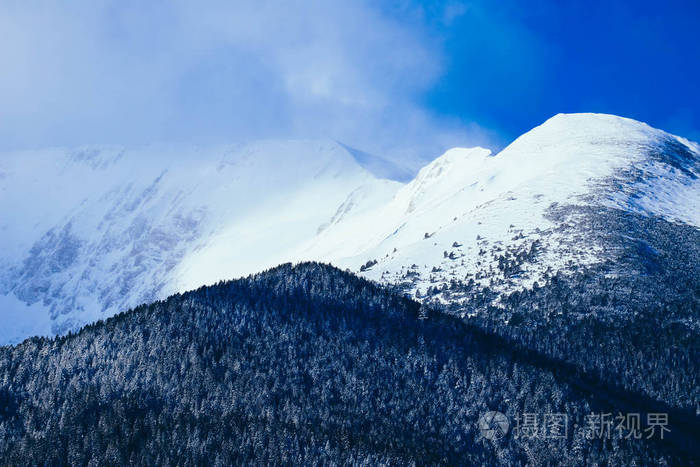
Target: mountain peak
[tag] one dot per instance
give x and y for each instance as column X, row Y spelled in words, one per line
column 459, row 154
column 378, row 166
column 583, row 129
column 458, row 161
column 593, row 122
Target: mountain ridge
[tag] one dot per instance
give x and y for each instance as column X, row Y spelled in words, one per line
column 502, row 205
column 98, row 245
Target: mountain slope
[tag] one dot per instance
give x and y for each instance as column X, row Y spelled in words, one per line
column 299, row 365
column 87, row 233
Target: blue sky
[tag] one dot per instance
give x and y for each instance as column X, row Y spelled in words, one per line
column 513, row 64
column 406, row 79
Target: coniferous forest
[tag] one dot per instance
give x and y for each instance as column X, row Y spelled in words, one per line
column 349, row 233
column 309, row 364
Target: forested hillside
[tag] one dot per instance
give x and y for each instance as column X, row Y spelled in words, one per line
column 304, row 364
column 631, row 320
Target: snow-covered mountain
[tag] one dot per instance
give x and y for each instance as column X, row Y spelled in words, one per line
column 525, row 213
column 90, row 232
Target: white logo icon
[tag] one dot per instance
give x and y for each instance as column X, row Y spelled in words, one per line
column 493, row 425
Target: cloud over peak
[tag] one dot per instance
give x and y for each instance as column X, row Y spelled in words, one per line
column 131, row 72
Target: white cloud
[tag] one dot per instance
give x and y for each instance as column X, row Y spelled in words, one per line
column 133, row 72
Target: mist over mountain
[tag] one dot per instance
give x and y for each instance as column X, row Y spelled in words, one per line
column 89, row 232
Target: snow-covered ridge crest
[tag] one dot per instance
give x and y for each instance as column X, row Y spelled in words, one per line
column 502, row 203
